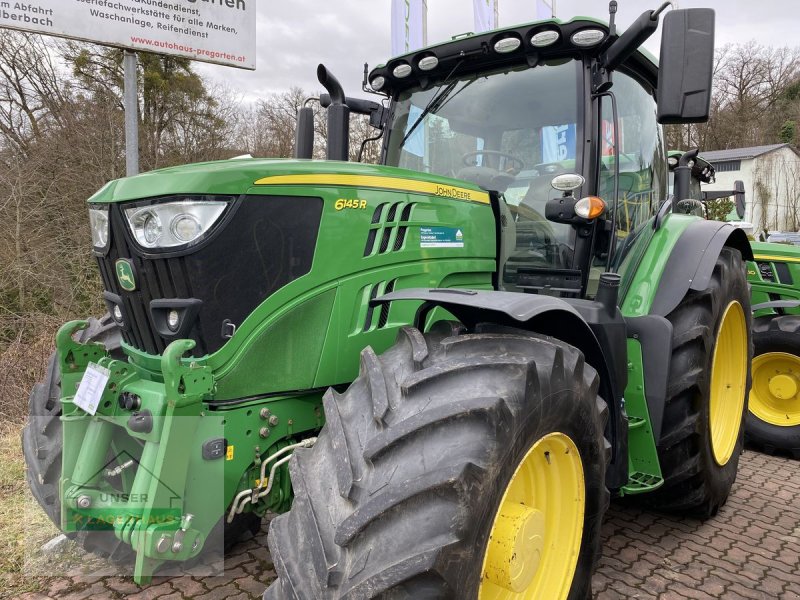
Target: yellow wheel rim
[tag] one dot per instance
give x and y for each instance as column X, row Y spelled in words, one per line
column 728, row 377
column 775, row 397
column 536, row 534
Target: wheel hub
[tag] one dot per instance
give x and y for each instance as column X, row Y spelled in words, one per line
column 783, row 386
column 776, row 387
column 517, row 543
column 536, row 533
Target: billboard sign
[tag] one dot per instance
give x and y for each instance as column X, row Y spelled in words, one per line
column 215, row 31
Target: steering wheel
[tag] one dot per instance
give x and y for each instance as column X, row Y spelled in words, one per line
column 516, row 162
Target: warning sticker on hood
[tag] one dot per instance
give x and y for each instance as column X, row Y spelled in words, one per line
column 441, row 237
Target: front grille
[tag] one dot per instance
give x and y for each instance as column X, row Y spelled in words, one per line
column 262, row 245
column 157, row 278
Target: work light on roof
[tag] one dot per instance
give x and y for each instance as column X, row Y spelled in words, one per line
column 506, row 45
column 377, row 83
column 588, row 37
column 428, row 63
column 402, row 70
column 544, row 38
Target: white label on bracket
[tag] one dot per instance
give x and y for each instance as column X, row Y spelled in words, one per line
column 91, row 388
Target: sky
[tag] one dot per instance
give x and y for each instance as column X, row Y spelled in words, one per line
column 294, row 36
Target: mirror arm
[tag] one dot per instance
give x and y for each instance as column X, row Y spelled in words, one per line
column 683, row 174
column 633, row 37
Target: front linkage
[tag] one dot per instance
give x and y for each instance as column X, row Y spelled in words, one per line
column 158, row 464
column 146, row 509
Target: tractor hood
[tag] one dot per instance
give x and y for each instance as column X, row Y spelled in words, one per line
column 235, row 177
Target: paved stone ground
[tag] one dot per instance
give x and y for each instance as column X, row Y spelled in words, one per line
column 751, row 549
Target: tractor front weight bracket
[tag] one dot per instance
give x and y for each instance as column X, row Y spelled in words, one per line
column 155, row 538
column 151, row 514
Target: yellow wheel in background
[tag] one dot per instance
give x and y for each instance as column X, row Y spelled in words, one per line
column 535, row 538
column 728, row 380
column 775, row 397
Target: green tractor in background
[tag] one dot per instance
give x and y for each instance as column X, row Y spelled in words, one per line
column 439, row 368
column 773, row 420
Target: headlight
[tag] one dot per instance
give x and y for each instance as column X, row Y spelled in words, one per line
column 173, row 223
column 98, row 222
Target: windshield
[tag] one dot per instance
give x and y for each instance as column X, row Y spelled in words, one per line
column 510, row 132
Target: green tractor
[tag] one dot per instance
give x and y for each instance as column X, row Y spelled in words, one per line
column 773, row 420
column 439, row 368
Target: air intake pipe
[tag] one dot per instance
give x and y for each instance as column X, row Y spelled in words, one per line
column 304, row 134
column 338, row 116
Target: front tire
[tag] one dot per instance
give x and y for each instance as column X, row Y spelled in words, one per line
column 42, row 442
column 709, row 379
column 42, row 435
column 773, row 421
column 435, row 475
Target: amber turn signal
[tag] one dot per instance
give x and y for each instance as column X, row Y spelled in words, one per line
column 590, row 207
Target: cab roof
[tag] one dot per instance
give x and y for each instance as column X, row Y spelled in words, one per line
column 475, row 53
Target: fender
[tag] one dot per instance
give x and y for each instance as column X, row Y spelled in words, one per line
column 692, row 261
column 689, row 267
column 546, row 315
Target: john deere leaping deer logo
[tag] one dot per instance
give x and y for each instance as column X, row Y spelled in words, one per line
column 125, row 276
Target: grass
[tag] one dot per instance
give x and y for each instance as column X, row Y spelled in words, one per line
column 23, row 525
column 23, row 361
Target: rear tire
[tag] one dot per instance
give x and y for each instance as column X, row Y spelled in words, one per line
column 697, row 481
column 398, row 497
column 773, row 421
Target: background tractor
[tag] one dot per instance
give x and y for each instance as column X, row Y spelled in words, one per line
column 773, row 420
column 561, row 333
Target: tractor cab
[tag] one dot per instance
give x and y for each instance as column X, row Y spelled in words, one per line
column 558, row 121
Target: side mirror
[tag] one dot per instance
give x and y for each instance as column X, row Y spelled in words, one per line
column 738, row 198
column 685, row 66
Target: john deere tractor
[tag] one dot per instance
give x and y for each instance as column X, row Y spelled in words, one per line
column 773, row 420
column 460, row 354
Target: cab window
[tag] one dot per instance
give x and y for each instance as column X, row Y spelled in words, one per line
column 642, row 161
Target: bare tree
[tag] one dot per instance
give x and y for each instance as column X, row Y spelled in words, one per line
column 31, row 90
column 756, row 93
